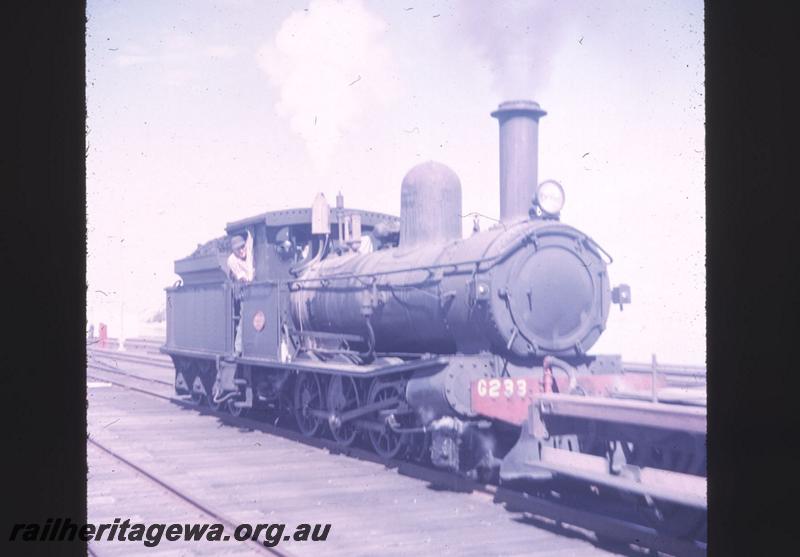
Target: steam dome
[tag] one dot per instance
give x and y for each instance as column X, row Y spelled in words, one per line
column 430, row 205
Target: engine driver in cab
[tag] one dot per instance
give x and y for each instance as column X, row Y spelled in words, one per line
column 240, row 269
column 240, row 262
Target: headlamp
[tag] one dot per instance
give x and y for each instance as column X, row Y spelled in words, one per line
column 550, row 197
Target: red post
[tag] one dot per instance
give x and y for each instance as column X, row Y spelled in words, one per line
column 103, row 335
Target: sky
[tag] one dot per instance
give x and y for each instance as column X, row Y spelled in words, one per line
column 201, row 113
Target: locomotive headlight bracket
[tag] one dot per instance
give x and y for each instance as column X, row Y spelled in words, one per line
column 621, row 295
column 549, row 198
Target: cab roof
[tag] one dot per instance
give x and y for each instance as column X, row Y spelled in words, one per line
column 288, row 217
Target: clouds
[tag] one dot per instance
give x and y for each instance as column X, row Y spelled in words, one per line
column 331, row 66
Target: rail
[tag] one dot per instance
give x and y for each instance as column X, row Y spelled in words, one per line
column 257, row 547
column 667, row 369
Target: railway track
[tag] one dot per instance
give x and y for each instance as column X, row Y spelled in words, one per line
column 618, row 535
column 146, row 350
column 208, row 513
column 377, row 513
column 151, row 359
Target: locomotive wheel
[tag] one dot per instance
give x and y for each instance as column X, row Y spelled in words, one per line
column 194, row 371
column 342, row 397
column 234, row 410
column 420, row 450
column 215, row 406
column 209, row 374
column 183, row 367
column 308, row 396
column 387, row 442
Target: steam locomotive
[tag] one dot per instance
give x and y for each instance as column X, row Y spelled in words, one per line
column 471, row 353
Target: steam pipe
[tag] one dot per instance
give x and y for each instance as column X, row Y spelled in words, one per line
column 548, row 364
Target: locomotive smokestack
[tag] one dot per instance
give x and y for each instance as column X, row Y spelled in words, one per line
column 519, row 156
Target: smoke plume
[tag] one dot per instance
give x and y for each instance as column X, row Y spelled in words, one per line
column 519, row 42
column 331, row 67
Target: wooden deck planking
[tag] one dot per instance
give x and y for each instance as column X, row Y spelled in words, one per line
column 252, row 476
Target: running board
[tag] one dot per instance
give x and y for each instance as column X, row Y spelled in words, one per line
column 350, row 370
column 675, row 487
column 678, row 417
